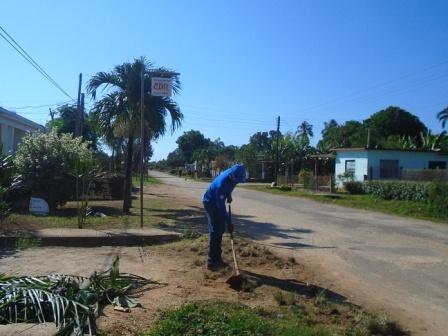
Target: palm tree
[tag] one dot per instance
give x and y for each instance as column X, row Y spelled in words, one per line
column 305, row 131
column 443, row 116
column 119, row 110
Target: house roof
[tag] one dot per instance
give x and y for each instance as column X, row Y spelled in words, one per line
column 16, row 117
column 361, row 149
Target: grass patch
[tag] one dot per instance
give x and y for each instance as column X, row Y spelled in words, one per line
column 154, row 212
column 213, row 318
column 147, row 181
column 221, row 318
column 367, row 202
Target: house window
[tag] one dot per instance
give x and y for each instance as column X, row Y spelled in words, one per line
column 389, row 169
column 350, row 167
column 437, row 165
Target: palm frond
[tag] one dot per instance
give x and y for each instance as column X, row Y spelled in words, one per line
column 443, row 116
column 66, row 300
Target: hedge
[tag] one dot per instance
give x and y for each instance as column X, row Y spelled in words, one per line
column 399, row 190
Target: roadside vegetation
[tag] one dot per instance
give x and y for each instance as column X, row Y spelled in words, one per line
column 408, row 208
column 272, row 306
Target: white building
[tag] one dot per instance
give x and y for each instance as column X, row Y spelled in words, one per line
column 375, row 164
column 12, row 128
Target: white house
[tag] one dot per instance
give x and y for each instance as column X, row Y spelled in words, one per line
column 12, row 128
column 372, row 164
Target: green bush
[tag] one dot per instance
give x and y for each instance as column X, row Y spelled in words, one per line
column 47, row 165
column 353, row 187
column 398, row 190
column 284, row 187
column 438, row 198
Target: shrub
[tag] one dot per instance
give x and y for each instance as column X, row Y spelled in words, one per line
column 284, row 187
column 438, row 198
column 399, row 190
column 109, row 186
column 353, row 187
column 47, row 163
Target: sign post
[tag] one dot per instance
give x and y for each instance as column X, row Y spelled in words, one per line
column 160, row 87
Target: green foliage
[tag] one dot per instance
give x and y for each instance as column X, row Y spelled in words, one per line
column 394, row 121
column 5, row 207
column 443, row 116
column 354, row 187
column 220, row 319
column 392, row 127
column 438, row 198
column 69, row 301
column 7, row 183
column 85, row 172
column 399, row 190
column 47, row 165
column 284, row 187
column 350, row 134
column 118, row 112
column 66, row 123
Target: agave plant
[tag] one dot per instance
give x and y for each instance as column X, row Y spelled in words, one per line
column 71, row 302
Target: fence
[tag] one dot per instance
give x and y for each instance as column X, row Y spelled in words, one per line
column 423, row 174
column 323, row 183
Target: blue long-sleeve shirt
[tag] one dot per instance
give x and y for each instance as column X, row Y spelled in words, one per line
column 221, row 188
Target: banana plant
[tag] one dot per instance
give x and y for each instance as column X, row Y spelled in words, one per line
column 70, row 302
column 85, row 172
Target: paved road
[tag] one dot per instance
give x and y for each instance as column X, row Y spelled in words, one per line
column 388, row 262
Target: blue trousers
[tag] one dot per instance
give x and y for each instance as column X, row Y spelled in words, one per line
column 216, row 228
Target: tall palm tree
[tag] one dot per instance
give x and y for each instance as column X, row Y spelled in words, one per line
column 443, row 116
column 305, row 131
column 120, row 108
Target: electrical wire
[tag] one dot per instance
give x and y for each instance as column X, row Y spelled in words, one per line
column 30, row 60
column 38, row 106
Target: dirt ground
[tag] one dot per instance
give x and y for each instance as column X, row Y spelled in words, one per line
column 180, row 269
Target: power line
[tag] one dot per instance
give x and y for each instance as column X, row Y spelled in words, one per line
column 38, row 106
column 30, row 60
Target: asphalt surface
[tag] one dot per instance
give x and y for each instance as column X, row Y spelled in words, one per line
column 389, row 263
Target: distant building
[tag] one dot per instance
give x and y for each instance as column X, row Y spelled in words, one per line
column 379, row 164
column 13, row 128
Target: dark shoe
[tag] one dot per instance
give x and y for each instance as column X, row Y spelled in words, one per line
column 217, row 266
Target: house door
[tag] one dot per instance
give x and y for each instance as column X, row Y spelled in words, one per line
column 389, row 169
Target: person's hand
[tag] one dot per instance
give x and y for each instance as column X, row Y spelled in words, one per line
column 229, row 199
column 230, row 228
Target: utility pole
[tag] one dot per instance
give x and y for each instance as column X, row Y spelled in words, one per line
column 78, row 109
column 276, row 150
column 51, row 114
column 142, row 150
column 81, row 116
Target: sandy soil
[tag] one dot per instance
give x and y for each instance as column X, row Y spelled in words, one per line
column 180, row 269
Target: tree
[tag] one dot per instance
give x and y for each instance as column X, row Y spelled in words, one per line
column 305, row 131
column 350, row 134
column 192, row 141
column 394, row 121
column 66, row 123
column 120, row 109
column 443, row 116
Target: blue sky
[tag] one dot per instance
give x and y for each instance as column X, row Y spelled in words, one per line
column 242, row 63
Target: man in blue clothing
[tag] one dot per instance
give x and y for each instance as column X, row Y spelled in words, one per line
column 218, row 193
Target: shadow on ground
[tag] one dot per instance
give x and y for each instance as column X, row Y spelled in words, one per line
column 292, row 285
column 193, row 218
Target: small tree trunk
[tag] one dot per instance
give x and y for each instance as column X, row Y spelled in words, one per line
column 127, row 200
